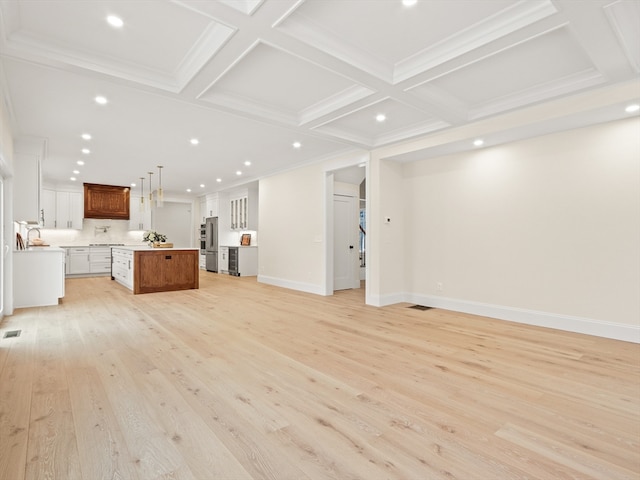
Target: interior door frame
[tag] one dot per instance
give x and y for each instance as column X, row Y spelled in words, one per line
column 347, row 161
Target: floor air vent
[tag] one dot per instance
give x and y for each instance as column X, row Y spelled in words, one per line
column 420, row 307
column 12, row 333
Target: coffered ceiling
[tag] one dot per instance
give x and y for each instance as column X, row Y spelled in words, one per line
column 248, row 78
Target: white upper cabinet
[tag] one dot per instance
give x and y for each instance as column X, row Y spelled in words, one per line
column 27, row 179
column 69, row 210
column 48, row 208
column 139, row 216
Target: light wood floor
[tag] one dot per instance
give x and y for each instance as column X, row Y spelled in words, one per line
column 240, row 380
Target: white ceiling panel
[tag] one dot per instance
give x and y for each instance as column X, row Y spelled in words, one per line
column 401, row 122
column 540, row 68
column 160, row 44
column 422, row 37
column 268, row 81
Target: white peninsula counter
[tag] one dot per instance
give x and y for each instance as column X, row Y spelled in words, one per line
column 38, row 276
column 145, row 270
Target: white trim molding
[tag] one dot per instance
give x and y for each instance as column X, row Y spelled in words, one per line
column 587, row 326
column 300, row 286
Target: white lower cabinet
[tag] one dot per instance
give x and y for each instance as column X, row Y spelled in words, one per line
column 122, row 267
column 88, row 261
column 223, row 260
column 78, row 260
column 100, row 260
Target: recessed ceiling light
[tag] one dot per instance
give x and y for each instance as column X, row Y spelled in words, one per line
column 76, row 172
column 73, row 179
column 114, row 21
column 86, row 136
column 189, row 190
column 202, row 185
column 479, row 142
column 101, row 100
column 133, row 184
column 297, row 144
column 80, row 162
column 409, row 3
column 86, row 151
column 381, row 117
column 238, row 172
column 247, row 163
column 632, row 108
column 194, row 141
column 218, row 180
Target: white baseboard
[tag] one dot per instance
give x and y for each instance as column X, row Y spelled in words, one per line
column 303, row 287
column 588, row 326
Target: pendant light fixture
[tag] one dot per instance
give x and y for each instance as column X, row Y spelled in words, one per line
column 150, row 190
column 142, row 194
column 160, row 196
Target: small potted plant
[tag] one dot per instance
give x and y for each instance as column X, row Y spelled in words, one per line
column 154, row 238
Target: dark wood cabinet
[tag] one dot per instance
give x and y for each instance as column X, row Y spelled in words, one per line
column 106, row 201
column 156, row 270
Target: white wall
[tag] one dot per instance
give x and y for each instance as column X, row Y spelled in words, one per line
column 292, row 226
column 174, row 219
column 546, row 229
column 6, row 171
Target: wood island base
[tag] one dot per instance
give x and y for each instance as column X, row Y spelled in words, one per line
column 148, row 270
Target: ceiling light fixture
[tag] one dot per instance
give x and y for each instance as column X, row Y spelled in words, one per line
column 160, row 196
column 381, row 117
column 238, row 172
column 115, row 22
column 141, row 194
column 409, row 3
column 218, row 180
column 297, row 144
column 188, row 190
column 101, row 100
column 86, row 136
column 202, row 185
column 86, row 151
column 632, row 108
column 479, row 142
column 76, row 172
column 80, row 162
column 150, row 190
column 247, row 163
column 73, row 179
column 194, row 141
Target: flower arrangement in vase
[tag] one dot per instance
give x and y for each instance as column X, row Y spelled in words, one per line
column 153, row 237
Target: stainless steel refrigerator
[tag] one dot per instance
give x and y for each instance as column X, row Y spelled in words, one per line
column 211, row 244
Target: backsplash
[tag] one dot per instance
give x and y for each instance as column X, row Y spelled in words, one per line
column 93, row 231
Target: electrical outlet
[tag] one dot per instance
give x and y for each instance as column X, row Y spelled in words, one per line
column 439, row 286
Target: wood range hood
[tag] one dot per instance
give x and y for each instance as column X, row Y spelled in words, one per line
column 106, row 201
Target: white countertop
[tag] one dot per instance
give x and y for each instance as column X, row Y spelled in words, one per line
column 144, row 248
column 41, row 250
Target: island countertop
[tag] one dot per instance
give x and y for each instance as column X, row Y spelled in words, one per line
column 146, row 248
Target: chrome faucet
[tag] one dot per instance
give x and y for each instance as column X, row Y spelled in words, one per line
column 29, row 233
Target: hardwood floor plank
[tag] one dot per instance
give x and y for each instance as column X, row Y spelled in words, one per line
column 16, row 386
column 52, row 449
column 239, row 380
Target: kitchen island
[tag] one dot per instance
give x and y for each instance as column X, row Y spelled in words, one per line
column 144, row 269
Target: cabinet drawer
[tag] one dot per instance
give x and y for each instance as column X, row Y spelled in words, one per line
column 100, row 267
